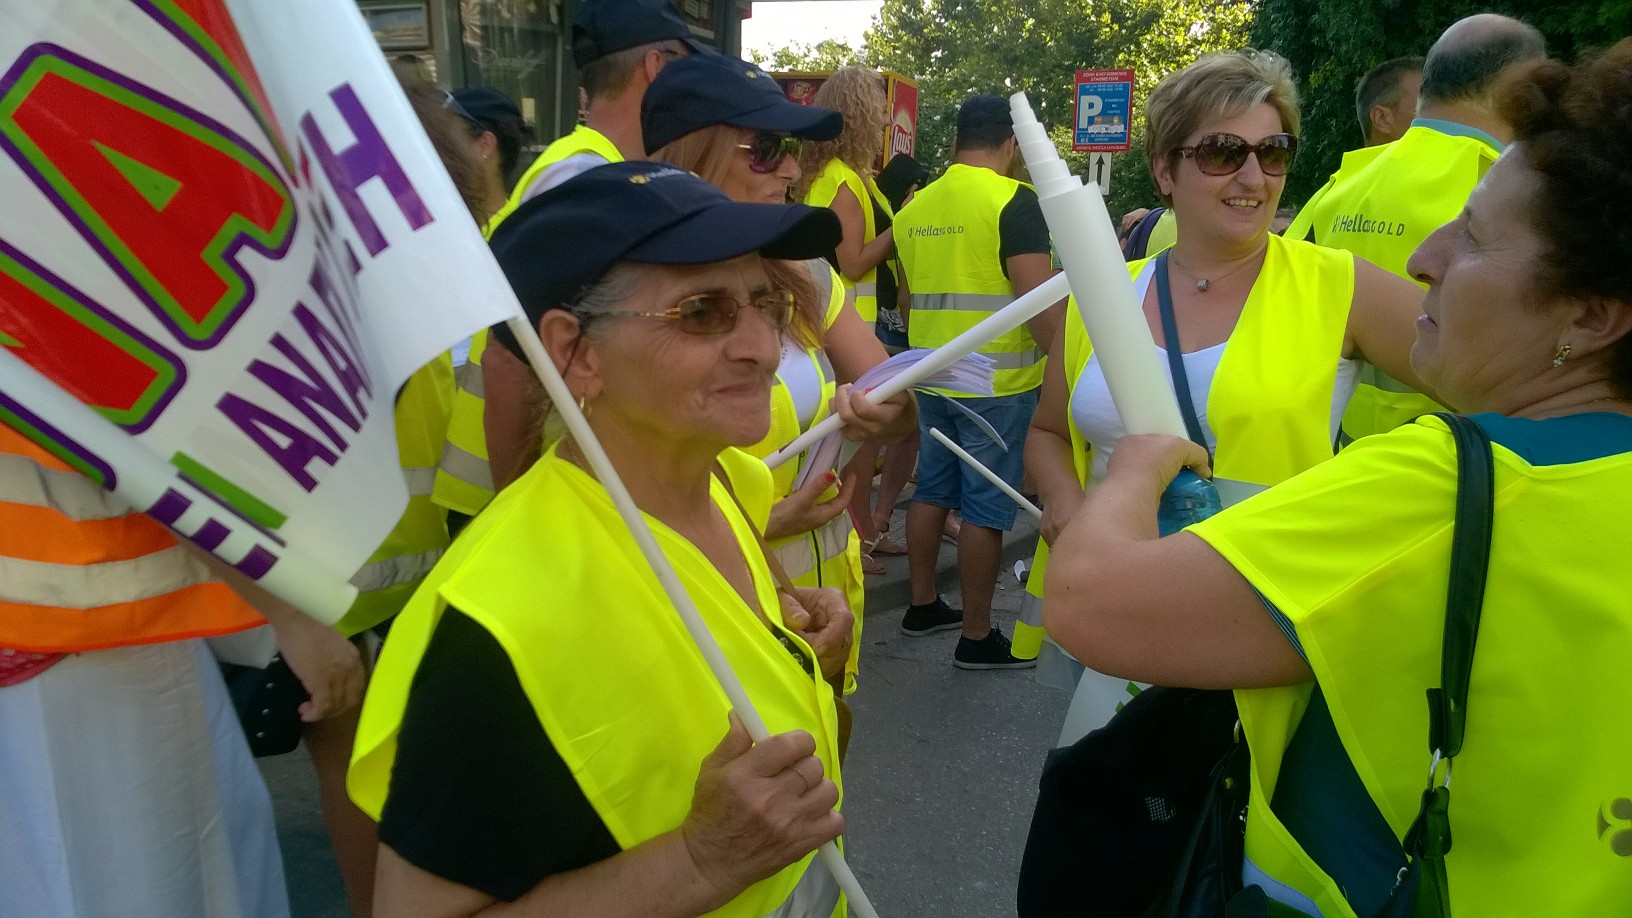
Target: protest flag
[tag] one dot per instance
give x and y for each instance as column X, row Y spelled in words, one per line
column 226, row 245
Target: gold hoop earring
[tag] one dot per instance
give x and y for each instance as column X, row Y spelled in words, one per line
column 1562, row 355
column 584, row 406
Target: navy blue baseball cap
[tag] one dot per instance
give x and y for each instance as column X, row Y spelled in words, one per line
column 605, row 27
column 558, row 244
column 708, row 89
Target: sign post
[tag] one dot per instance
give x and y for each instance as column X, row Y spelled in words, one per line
column 1103, row 120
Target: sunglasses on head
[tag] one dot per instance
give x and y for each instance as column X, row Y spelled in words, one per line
column 1225, row 154
column 765, row 151
column 714, row 313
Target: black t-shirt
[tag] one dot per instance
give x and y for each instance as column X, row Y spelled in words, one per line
column 478, row 794
column 1021, row 229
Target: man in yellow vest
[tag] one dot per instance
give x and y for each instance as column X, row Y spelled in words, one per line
column 1382, row 204
column 1385, row 99
column 618, row 47
column 969, row 244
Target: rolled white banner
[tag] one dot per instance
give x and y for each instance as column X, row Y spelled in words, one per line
column 989, row 329
column 1086, row 242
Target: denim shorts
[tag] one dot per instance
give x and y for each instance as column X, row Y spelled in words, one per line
column 947, row 481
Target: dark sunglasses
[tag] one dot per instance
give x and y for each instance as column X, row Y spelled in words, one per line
column 765, row 151
column 1225, row 154
column 713, row 313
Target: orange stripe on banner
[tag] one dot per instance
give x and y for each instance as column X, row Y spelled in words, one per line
column 204, row 610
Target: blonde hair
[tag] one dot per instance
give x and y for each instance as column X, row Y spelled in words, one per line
column 710, row 153
column 858, row 94
column 1217, row 86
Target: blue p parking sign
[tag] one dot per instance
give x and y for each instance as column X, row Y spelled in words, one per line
column 1104, row 111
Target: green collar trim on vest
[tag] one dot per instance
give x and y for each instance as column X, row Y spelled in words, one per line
column 1456, row 129
column 1563, row 440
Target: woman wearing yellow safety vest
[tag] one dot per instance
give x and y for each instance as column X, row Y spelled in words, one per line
column 1269, row 329
column 728, row 121
column 540, row 728
column 838, row 174
column 1322, row 602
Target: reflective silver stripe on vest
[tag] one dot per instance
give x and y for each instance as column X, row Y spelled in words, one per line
column 1371, row 376
column 814, row 896
column 420, row 481
column 92, row 586
column 469, row 378
column 962, row 302
column 24, row 481
column 467, row 466
column 867, row 288
column 388, row 572
column 1231, row 492
column 831, row 541
column 1015, row 360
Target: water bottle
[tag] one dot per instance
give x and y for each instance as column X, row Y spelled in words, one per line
column 1188, row 499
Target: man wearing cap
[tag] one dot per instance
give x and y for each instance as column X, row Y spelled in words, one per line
column 1382, row 210
column 970, row 243
column 540, row 729
column 618, row 46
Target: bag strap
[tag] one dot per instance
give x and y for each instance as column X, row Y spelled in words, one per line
column 1175, row 357
column 1429, row 837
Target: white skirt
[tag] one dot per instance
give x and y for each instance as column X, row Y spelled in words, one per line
column 126, row 788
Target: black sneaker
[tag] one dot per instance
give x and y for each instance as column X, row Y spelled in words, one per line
column 930, row 618
column 990, row 652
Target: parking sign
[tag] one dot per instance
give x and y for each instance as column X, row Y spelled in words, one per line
column 1104, row 112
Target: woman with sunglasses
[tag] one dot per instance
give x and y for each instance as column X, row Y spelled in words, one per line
column 1267, row 329
column 838, row 173
column 727, row 121
column 540, row 729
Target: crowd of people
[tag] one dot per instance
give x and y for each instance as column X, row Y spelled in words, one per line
column 711, row 267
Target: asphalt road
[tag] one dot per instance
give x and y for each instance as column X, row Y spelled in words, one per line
column 941, row 774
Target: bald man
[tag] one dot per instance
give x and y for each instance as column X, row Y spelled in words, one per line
column 1386, row 200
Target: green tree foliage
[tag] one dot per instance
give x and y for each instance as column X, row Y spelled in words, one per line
column 826, row 55
column 957, row 48
column 1332, row 43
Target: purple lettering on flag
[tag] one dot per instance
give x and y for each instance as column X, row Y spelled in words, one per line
column 369, row 158
column 292, row 448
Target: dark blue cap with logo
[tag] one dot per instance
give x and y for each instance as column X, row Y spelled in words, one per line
column 710, row 89
column 558, row 244
column 605, row 27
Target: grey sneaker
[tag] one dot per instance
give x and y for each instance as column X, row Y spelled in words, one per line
column 930, row 618
column 990, row 652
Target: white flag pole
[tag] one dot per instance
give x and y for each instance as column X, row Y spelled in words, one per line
column 1005, row 320
column 584, row 437
column 988, row 474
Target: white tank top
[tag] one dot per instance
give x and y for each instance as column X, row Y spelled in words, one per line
column 1095, row 415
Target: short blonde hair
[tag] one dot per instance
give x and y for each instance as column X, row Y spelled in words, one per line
column 1217, row 86
column 858, row 94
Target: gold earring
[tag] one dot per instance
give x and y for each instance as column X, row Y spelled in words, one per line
column 1562, row 355
column 584, row 406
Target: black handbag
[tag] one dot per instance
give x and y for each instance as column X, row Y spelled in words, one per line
column 268, row 704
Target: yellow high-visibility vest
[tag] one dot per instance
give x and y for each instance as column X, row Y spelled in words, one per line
column 1356, row 555
column 416, row 543
column 1270, row 406
column 623, row 694
column 949, row 244
column 835, row 175
column 829, row 556
column 583, row 139
column 1381, row 208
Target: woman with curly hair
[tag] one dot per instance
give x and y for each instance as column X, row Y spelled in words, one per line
column 1322, row 601
column 838, row 174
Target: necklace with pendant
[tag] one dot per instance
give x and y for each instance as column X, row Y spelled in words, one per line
column 1203, row 284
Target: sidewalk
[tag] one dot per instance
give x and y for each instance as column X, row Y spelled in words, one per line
column 889, row 593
